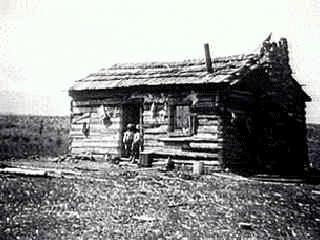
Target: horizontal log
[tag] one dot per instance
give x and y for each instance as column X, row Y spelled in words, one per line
column 95, row 120
column 93, row 111
column 109, row 137
column 173, row 146
column 152, row 148
column 147, row 113
column 204, row 104
column 179, row 153
column 95, row 133
column 159, row 130
column 207, row 98
column 148, row 142
column 97, row 102
column 95, row 150
column 154, row 137
column 207, row 136
column 208, row 122
column 201, row 116
column 78, row 110
column 26, row 172
column 177, row 161
column 207, row 129
column 95, row 144
column 94, row 127
column 204, row 145
column 155, row 121
column 195, row 138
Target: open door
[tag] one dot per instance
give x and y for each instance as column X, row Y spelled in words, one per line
column 131, row 114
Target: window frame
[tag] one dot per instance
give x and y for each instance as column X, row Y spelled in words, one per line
column 192, row 121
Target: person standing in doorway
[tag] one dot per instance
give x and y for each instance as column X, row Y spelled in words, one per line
column 136, row 144
column 128, row 139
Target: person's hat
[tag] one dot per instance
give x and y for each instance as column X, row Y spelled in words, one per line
column 130, row 126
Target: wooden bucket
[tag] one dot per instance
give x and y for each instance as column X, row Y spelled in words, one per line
column 145, row 160
column 198, row 168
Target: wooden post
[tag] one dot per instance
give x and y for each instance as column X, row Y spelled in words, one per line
column 208, row 58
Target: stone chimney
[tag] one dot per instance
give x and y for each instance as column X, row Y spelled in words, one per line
column 275, row 56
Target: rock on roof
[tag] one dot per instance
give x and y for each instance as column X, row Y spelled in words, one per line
column 226, row 69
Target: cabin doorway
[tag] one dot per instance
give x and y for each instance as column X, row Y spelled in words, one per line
column 131, row 114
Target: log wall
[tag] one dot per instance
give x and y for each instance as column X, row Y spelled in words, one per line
column 103, row 137
column 205, row 144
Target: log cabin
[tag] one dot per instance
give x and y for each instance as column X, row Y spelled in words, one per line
column 238, row 112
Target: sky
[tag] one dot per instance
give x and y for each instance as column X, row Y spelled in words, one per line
column 46, row 45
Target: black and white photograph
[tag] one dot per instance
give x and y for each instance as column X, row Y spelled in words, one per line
column 145, row 119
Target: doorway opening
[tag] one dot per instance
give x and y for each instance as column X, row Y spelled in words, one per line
column 131, row 114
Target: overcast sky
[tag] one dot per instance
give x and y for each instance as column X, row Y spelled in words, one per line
column 46, row 45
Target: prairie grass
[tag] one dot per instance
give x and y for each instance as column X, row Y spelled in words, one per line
column 23, row 136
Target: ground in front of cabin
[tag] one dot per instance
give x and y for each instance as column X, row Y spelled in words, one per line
column 112, row 202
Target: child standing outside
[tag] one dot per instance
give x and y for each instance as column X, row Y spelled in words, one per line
column 128, row 139
column 136, row 144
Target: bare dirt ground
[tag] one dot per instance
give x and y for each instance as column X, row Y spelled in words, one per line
column 110, row 202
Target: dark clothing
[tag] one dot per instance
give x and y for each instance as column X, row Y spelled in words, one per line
column 127, row 140
column 136, row 146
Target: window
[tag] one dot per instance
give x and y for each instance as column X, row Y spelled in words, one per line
column 181, row 121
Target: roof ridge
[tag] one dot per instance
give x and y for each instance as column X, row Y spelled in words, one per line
column 186, row 62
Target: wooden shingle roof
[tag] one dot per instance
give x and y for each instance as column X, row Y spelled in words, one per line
column 226, row 69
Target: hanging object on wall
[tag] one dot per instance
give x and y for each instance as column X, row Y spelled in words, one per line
column 103, row 115
column 83, row 118
column 86, row 129
column 101, row 112
column 192, row 97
